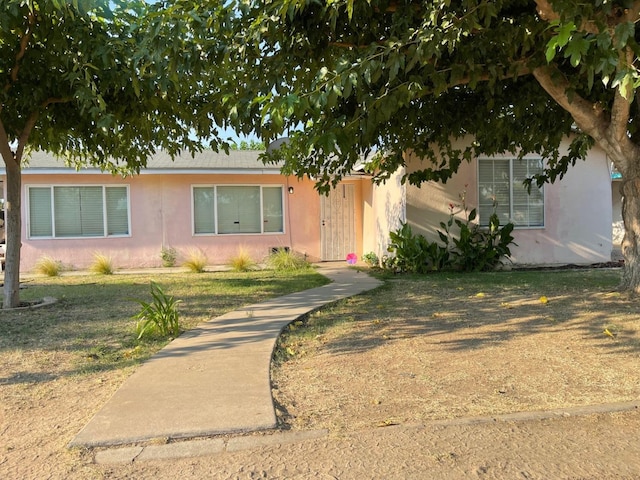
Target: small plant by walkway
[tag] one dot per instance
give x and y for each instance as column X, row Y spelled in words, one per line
column 158, row 317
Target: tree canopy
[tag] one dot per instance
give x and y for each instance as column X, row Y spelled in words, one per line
column 355, row 76
column 351, row 77
column 106, row 84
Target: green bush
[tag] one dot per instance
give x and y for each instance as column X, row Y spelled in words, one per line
column 477, row 248
column 168, row 255
column 474, row 248
column 285, row 260
column 371, row 259
column 411, row 252
column 159, row 317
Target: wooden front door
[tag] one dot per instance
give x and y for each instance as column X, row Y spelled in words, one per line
column 338, row 227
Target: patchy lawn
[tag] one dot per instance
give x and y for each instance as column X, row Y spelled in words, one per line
column 59, row 364
column 458, row 345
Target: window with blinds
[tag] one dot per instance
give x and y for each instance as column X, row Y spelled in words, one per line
column 78, row 211
column 501, row 190
column 237, row 209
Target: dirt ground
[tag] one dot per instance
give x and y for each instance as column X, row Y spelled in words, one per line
column 427, row 356
column 395, row 360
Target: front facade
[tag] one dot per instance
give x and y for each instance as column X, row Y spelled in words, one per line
column 213, row 203
column 218, row 204
column 567, row 222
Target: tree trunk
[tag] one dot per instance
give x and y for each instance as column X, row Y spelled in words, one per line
column 630, row 244
column 13, row 232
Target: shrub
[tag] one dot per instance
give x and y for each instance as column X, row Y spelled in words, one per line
column 102, row 264
column 477, row 248
column 371, row 259
column 286, row 260
column 48, row 266
column 160, row 317
column 474, row 248
column 242, row 261
column 196, row 261
column 411, row 252
column 168, row 255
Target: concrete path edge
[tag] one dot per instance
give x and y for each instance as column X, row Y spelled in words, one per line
column 214, row 379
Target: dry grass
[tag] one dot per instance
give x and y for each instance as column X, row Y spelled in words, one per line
column 61, row 363
column 445, row 346
column 196, row 261
column 102, row 264
column 242, row 261
column 48, row 266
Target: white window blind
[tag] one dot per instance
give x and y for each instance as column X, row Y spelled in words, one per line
column 501, row 190
column 117, row 210
column 204, row 206
column 237, row 209
column 272, row 209
column 78, row 211
column 40, row 215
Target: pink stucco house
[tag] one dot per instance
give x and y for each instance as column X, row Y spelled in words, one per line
column 567, row 222
column 215, row 203
column 219, row 203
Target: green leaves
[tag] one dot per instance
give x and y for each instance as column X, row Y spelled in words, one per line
column 565, row 36
column 160, row 316
column 114, row 81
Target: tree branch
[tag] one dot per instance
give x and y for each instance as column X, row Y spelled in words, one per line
column 547, row 13
column 5, row 149
column 632, row 14
column 24, row 42
column 23, row 138
column 588, row 116
column 621, row 107
column 608, row 132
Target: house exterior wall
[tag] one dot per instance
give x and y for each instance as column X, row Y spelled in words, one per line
column 384, row 210
column 162, row 216
column 577, row 210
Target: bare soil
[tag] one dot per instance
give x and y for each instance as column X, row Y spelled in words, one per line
column 429, row 350
column 413, row 351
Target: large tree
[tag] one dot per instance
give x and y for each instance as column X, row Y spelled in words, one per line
column 396, row 75
column 104, row 83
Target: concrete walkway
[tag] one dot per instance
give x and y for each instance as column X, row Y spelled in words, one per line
column 213, row 379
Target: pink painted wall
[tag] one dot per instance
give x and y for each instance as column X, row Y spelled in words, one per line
column 384, row 210
column 578, row 213
column 161, row 215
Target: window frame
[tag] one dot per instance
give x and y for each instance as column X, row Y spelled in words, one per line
column 105, row 217
column 511, row 161
column 216, row 219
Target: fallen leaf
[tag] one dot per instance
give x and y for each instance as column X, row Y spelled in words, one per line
column 386, row 423
column 608, row 333
column 480, row 295
column 544, row 300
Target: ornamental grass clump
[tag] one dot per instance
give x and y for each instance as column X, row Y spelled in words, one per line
column 159, row 317
column 196, row 261
column 242, row 261
column 48, row 266
column 283, row 259
column 102, row 264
